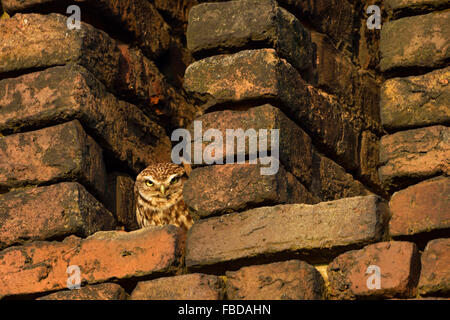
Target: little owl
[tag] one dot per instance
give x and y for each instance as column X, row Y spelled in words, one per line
column 158, row 193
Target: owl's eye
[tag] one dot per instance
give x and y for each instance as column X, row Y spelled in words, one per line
column 148, row 183
column 174, row 180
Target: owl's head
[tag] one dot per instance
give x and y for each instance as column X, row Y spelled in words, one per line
column 161, row 181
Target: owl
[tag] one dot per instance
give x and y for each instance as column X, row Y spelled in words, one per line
column 158, row 194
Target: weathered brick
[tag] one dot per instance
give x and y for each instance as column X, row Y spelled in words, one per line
column 295, row 146
column 416, row 101
column 398, row 263
column 333, row 17
column 396, row 8
column 71, row 92
column 31, row 41
column 415, row 154
column 331, row 182
column 420, row 41
column 62, row 152
column 289, row 280
column 335, row 71
column 261, row 74
column 119, row 199
column 231, row 25
column 13, row 6
column 42, row 266
column 50, row 212
column 421, row 208
column 314, row 232
column 367, row 100
column 248, row 74
column 322, row 176
column 140, row 79
column 194, row 286
column 368, row 46
column 103, row 291
column 237, row 187
column 138, row 17
column 369, row 155
column 127, row 72
column 435, row 273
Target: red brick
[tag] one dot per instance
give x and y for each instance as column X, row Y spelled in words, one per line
column 369, row 155
column 41, row 266
column 195, row 286
column 289, row 280
column 335, row 71
column 127, row 72
column 12, row 6
column 419, row 41
column 295, row 146
column 71, row 92
column 367, row 100
column 322, row 176
column 408, row 156
column 140, row 79
column 331, row 182
column 138, row 17
column 104, row 291
column 231, row 25
column 333, row 17
column 421, row 208
column 261, row 74
column 435, row 273
column 37, row 41
column 17, row 5
column 50, row 212
column 416, row 101
column 62, row 152
column 399, row 266
column 237, row 187
column 315, row 232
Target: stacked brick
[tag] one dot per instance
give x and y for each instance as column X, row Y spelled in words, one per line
column 260, row 68
column 415, row 111
column 313, row 230
column 82, row 111
column 265, row 89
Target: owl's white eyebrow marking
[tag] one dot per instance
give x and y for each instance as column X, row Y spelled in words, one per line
column 148, row 178
column 172, row 176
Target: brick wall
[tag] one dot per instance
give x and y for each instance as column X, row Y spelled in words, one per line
column 362, row 188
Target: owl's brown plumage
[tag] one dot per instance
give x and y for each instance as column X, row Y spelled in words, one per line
column 158, row 194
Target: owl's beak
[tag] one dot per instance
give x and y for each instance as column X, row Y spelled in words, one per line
column 163, row 189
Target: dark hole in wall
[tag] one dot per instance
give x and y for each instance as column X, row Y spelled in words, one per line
column 18, row 73
column 421, row 239
column 403, row 72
